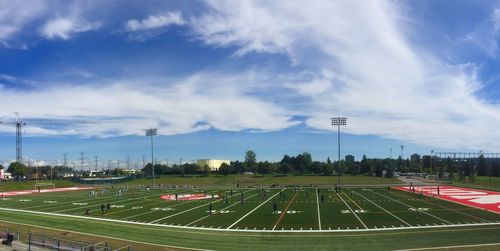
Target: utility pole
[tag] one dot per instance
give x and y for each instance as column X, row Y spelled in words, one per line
column 150, row 133
column 143, row 161
column 338, row 121
column 65, row 159
column 128, row 162
column 81, row 160
column 95, row 157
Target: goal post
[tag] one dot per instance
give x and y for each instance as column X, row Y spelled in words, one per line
column 44, row 185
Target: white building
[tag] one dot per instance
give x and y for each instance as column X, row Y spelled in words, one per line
column 213, row 164
column 5, row 175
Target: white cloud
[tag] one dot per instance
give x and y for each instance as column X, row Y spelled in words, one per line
column 486, row 34
column 14, row 15
column 199, row 102
column 64, row 28
column 384, row 83
column 155, row 22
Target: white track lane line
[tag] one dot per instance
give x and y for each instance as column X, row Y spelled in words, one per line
column 317, row 205
column 352, row 211
column 244, row 216
column 383, row 209
column 441, row 219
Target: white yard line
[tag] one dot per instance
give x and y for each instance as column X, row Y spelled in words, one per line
column 185, row 211
column 102, row 201
column 402, row 203
column 352, row 201
column 88, row 219
column 317, row 205
column 466, row 214
column 234, row 204
column 384, row 209
column 151, row 211
column 450, row 247
column 108, row 196
column 352, row 211
column 244, row 216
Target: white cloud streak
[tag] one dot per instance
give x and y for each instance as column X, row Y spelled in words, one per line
column 355, row 55
column 64, row 28
column 386, row 85
column 185, row 107
column 15, row 14
column 155, row 22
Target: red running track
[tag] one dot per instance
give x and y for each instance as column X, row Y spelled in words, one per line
column 483, row 199
column 27, row 192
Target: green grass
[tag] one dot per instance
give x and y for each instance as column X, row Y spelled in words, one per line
column 483, row 182
column 352, row 208
column 389, row 240
column 267, row 180
column 28, row 185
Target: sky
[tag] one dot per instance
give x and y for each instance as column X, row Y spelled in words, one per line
column 218, row 78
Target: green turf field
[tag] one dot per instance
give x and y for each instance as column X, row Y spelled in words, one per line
column 298, row 209
column 369, row 211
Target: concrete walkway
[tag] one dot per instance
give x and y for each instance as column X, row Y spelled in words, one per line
column 18, row 246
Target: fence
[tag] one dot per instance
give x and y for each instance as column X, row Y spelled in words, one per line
column 54, row 243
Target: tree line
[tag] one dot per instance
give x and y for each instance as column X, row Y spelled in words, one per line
column 303, row 164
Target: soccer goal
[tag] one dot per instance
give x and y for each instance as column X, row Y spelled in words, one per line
column 44, row 185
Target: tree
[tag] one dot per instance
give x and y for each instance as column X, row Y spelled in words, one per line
column 379, row 168
column 415, row 163
column 389, row 173
column 224, row 169
column 482, row 169
column 365, row 166
column 250, row 160
column 238, row 167
column 17, row 170
column 263, row 167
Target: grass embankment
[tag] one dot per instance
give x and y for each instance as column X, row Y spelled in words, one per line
column 482, row 182
column 220, row 240
column 26, row 185
column 267, row 180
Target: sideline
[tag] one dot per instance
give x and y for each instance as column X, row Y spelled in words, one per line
column 101, row 236
column 449, row 247
column 243, row 230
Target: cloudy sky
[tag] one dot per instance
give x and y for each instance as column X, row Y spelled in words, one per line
column 220, row 77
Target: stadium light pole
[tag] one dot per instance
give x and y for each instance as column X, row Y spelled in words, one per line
column 150, row 133
column 338, row 121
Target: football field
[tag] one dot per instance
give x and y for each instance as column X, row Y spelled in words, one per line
column 288, row 209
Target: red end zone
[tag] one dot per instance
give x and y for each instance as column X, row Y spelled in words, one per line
column 27, row 192
column 482, row 199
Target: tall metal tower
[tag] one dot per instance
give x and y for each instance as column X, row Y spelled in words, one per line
column 82, row 159
column 19, row 138
column 65, row 159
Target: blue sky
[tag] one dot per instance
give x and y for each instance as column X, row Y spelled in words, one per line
column 220, row 77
